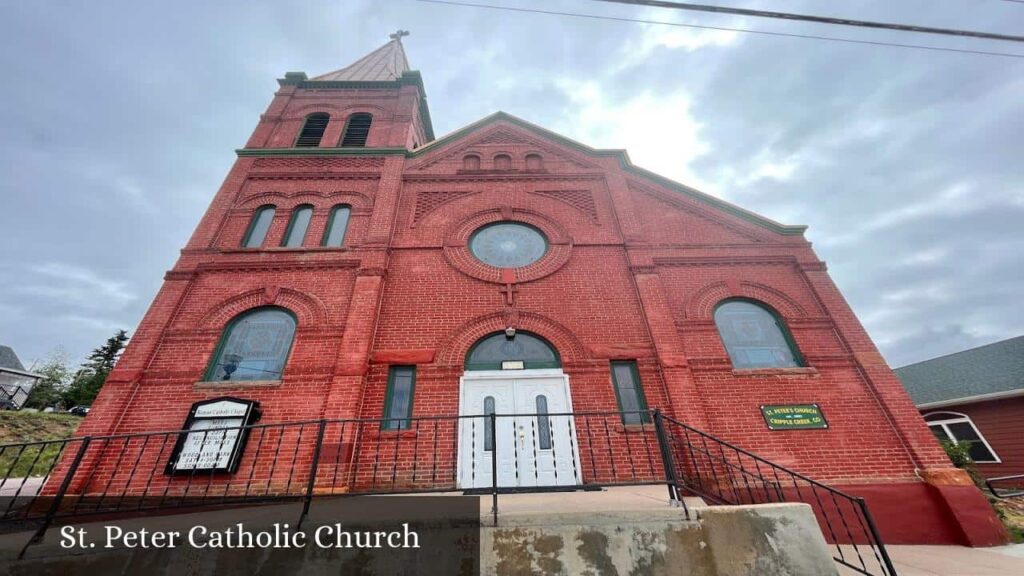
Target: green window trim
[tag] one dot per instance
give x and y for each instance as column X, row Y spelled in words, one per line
column 210, row 375
column 470, row 364
column 794, row 350
column 313, row 129
column 254, row 224
column 641, row 399
column 332, row 222
column 286, row 240
column 392, row 420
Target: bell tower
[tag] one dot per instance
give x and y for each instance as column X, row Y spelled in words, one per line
column 375, row 102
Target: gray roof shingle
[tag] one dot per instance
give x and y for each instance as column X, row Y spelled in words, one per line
column 997, row 367
column 8, row 359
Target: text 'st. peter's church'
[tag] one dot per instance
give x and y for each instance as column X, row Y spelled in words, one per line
column 353, row 267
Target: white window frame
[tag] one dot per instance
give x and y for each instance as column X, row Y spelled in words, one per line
column 958, row 418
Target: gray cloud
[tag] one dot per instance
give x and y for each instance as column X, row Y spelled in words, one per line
column 120, row 123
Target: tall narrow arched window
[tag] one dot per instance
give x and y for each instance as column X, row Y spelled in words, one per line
column 755, row 336
column 313, row 130
column 502, row 162
column 258, row 226
column 298, row 225
column 337, row 225
column 254, row 346
column 471, row 162
column 357, row 130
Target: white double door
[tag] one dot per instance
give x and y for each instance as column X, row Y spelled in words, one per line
column 533, row 448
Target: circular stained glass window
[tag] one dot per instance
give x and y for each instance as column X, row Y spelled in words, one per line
column 508, row 244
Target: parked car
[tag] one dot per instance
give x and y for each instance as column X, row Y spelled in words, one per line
column 7, row 404
column 79, row 410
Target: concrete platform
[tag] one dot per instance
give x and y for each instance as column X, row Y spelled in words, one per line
column 614, row 499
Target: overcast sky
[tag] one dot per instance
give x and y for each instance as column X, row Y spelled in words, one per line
column 119, row 121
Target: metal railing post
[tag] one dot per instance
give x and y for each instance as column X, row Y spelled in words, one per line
column 666, row 458
column 890, row 569
column 55, row 505
column 308, row 499
column 494, row 467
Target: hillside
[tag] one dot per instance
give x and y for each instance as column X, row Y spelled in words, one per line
column 32, row 426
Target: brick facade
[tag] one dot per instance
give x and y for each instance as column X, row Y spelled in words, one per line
column 635, row 267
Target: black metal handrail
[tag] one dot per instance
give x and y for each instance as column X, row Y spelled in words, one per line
column 723, row 473
column 1016, row 490
column 55, row 480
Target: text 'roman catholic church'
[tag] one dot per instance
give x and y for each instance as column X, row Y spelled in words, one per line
column 404, row 291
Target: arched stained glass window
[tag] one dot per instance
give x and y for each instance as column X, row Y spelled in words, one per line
column 491, row 351
column 298, row 226
column 337, row 225
column 313, row 130
column 488, row 433
column 754, row 336
column 258, row 226
column 543, row 423
column 254, row 346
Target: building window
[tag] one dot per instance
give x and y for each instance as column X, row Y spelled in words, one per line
column 471, row 162
column 534, row 162
column 488, row 432
column 754, row 336
column 254, row 346
column 508, row 244
column 312, row 130
column 398, row 399
column 357, row 130
column 258, row 227
column 523, row 350
column 502, row 162
column 543, row 423
column 337, row 225
column 629, row 393
column 298, row 225
column 956, row 427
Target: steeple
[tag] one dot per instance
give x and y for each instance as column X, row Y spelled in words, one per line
column 385, row 64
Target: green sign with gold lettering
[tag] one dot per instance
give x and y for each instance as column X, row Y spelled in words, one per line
column 794, row 417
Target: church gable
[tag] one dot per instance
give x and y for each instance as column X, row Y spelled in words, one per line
column 668, row 217
column 479, row 150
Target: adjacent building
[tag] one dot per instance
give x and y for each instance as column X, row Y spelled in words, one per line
column 16, row 383
column 975, row 396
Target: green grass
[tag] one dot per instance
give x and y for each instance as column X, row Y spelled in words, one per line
column 21, row 427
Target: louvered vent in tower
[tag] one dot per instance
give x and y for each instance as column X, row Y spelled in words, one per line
column 313, row 131
column 357, row 130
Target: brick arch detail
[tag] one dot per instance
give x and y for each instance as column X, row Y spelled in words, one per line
column 285, row 201
column 302, row 112
column 308, row 309
column 453, row 351
column 701, row 306
column 456, row 245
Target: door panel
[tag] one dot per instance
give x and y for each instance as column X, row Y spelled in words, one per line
column 532, row 450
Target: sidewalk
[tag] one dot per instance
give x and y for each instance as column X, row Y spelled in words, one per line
column 955, row 560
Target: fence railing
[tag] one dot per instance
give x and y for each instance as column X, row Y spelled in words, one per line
column 722, row 473
column 490, row 454
column 1013, row 486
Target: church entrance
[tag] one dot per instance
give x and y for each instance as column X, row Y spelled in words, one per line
column 517, row 377
column 533, row 440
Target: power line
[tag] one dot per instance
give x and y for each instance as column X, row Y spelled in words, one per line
column 818, row 19
column 722, row 28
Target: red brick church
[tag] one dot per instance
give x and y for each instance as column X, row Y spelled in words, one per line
column 354, row 267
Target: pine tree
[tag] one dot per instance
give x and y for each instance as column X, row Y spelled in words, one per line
column 93, row 373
